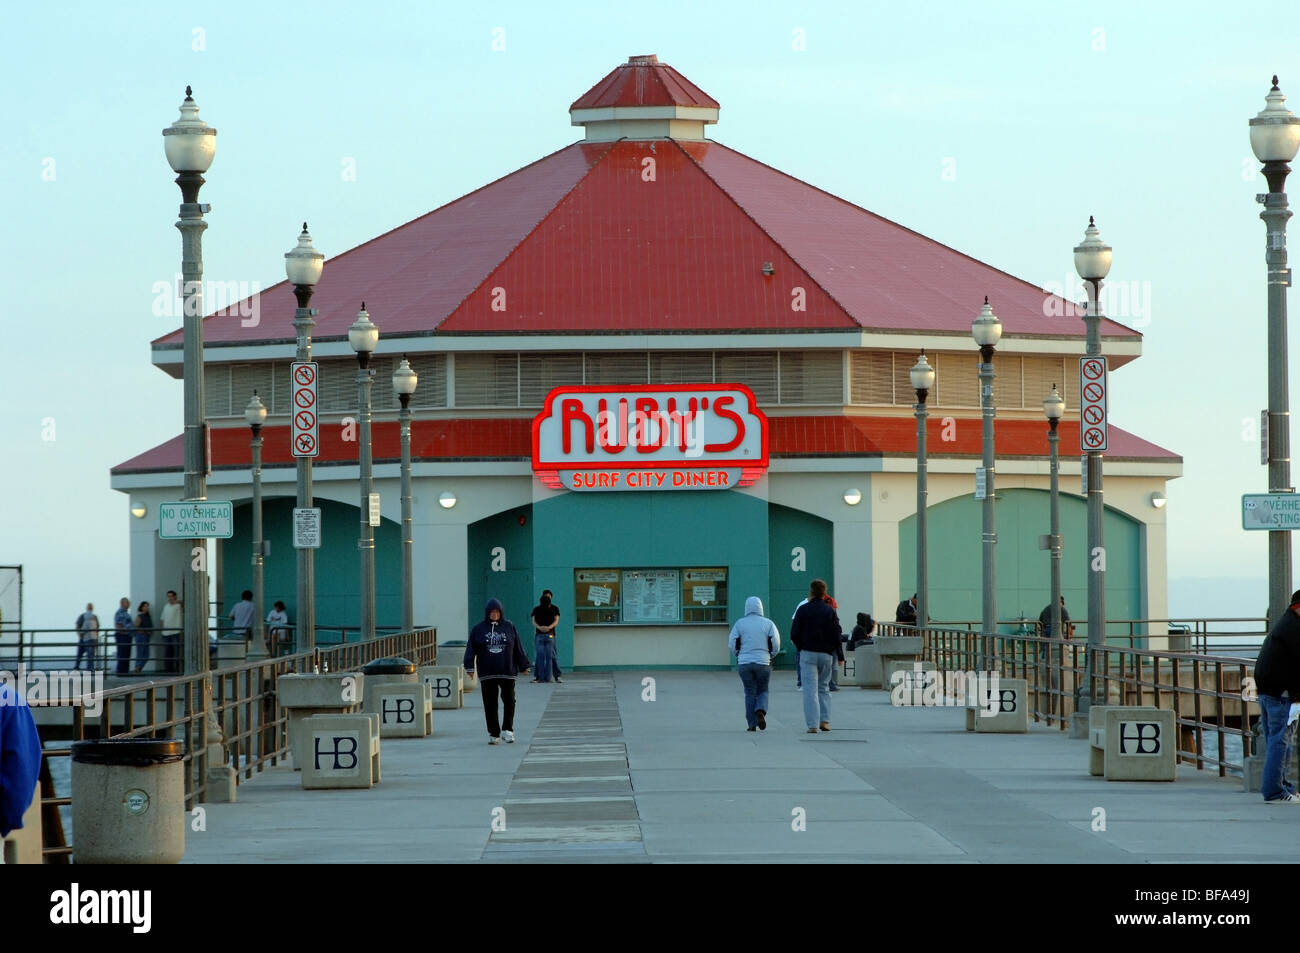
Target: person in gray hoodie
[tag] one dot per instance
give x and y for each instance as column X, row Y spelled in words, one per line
column 755, row 640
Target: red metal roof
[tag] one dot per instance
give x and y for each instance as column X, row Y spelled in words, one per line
column 581, row 241
column 644, row 81
column 496, row 439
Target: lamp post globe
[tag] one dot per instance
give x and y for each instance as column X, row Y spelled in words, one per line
column 363, row 336
column 404, row 382
column 1275, row 139
column 303, row 264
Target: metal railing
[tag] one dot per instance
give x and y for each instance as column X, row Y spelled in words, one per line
column 1185, row 634
column 254, row 727
column 1209, row 694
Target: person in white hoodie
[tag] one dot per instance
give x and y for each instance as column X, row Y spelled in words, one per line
column 755, row 640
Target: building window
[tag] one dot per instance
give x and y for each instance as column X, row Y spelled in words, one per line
column 648, row 596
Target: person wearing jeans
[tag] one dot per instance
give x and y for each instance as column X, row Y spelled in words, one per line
column 1277, row 680
column 755, row 640
column 816, row 633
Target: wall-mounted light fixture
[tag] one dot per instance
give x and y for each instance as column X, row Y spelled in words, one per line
column 853, row 497
column 447, row 500
column 138, row 510
column 1158, row 499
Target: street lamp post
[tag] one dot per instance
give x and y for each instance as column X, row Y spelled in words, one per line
column 987, row 331
column 1054, row 408
column 1092, row 259
column 190, row 144
column 1275, row 139
column 255, row 414
column 404, row 381
column 363, row 336
column 303, row 267
column 922, row 380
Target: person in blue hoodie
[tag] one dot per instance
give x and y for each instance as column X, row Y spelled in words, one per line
column 20, row 759
column 495, row 652
column 755, row 640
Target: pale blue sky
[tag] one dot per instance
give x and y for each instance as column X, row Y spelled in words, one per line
column 1135, row 113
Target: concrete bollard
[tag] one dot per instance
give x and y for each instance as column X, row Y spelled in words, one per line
column 385, row 671
column 303, row 696
column 1097, row 736
column 849, row 668
column 1010, row 706
column 446, row 683
column 909, row 679
column 405, row 710
column 128, row 801
column 343, row 751
column 1141, row 745
column 896, row 648
column 866, row 660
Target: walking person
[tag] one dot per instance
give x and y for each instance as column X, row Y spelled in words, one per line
column 143, row 626
column 20, row 759
column 495, row 653
column 816, row 632
column 545, row 618
column 122, row 632
column 87, row 626
column 173, row 624
column 1277, row 680
column 244, row 614
column 755, row 640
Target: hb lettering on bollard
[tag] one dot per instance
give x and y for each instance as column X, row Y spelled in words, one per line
column 344, row 751
column 405, row 710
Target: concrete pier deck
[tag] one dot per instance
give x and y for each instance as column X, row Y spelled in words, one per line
column 600, row 775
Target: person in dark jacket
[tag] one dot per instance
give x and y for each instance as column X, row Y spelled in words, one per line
column 1277, row 680
column 495, row 652
column 816, row 632
column 905, row 614
column 862, row 631
column 20, row 759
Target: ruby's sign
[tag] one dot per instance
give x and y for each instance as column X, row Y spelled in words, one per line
column 655, row 437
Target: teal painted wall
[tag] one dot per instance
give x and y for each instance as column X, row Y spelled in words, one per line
column 653, row 529
column 338, row 564
column 786, row 586
column 511, row 530
column 1023, row 572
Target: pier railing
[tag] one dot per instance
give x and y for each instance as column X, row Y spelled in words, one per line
column 1211, row 695
column 253, row 729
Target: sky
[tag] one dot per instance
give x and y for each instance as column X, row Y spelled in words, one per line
column 995, row 128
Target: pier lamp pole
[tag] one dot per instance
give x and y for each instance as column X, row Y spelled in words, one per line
column 255, row 414
column 1092, row 259
column 303, row 266
column 190, row 145
column 987, row 331
column 922, row 381
column 1275, row 139
column 404, row 381
column 363, row 336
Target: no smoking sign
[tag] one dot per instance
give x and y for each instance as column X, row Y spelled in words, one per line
column 1092, row 404
column 303, row 380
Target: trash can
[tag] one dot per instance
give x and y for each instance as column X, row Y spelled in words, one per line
column 384, row 671
column 128, row 801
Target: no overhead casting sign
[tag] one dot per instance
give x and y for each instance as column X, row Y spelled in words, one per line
column 653, row 437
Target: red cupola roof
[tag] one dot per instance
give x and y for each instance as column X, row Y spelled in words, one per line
column 643, row 81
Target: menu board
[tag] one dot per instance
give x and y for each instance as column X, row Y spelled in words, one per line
column 651, row 595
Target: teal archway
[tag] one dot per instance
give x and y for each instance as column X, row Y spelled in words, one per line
column 1023, row 571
